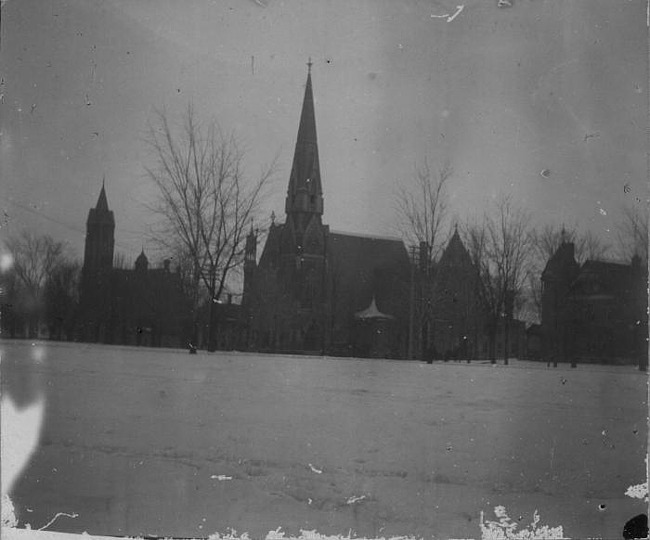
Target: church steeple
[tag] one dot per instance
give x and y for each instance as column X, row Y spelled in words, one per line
column 305, row 193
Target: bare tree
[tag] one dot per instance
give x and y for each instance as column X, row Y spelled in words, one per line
column 633, row 233
column 476, row 239
column 501, row 248
column 35, row 258
column 548, row 239
column 205, row 201
column 61, row 295
column 120, row 262
column 422, row 208
column 510, row 249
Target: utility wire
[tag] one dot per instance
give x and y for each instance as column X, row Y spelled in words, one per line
column 63, row 224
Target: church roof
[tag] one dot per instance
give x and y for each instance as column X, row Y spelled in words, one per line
column 366, row 249
column 368, row 236
column 365, row 267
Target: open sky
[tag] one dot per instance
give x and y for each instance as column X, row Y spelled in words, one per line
column 545, row 100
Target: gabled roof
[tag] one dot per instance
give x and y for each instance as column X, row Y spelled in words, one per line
column 562, row 265
column 455, row 254
column 603, row 278
column 271, row 249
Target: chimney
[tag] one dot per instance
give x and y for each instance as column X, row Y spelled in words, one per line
column 568, row 250
column 424, row 257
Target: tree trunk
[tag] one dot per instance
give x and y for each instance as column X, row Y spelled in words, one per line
column 211, row 324
column 506, row 339
column 492, row 338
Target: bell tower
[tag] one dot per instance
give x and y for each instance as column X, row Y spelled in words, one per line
column 97, row 268
column 100, row 237
column 303, row 236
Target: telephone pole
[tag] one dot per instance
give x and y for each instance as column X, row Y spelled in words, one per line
column 412, row 305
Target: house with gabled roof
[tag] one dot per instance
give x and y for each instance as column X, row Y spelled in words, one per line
column 596, row 312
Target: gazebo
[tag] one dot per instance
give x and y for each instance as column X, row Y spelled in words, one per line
column 373, row 332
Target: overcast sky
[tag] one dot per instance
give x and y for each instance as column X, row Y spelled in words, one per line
column 501, row 94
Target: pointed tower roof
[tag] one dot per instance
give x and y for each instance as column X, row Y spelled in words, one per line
column 455, row 253
column 307, row 127
column 305, row 190
column 101, row 214
column 562, row 265
column 102, row 202
column 141, row 263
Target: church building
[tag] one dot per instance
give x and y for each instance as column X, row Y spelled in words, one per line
column 317, row 291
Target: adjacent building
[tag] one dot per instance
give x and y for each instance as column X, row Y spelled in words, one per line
column 129, row 306
column 596, row 312
column 454, row 318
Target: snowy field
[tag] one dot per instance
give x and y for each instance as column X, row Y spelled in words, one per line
column 143, row 441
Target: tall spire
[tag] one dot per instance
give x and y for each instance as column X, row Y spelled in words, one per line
column 305, row 193
column 102, row 202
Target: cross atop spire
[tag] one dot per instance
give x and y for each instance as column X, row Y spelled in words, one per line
column 309, row 64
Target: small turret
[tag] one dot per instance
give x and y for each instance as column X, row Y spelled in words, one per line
column 250, row 251
column 250, row 265
column 141, row 263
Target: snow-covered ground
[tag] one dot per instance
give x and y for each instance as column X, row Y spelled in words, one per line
column 144, row 441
